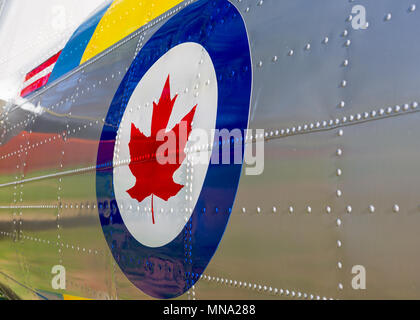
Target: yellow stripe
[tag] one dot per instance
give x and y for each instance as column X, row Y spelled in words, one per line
column 68, row 297
column 123, row 18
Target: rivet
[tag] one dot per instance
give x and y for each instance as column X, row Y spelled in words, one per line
column 308, row 47
column 308, row 209
column 340, row 286
column 291, row 210
column 339, row 222
column 388, row 17
column 346, row 63
column 328, row 209
column 340, row 133
column 339, row 193
column 348, row 43
column 412, row 8
column 339, row 244
column 291, row 52
column 396, row 208
column 349, row 209
column 339, row 152
column 343, row 83
column 342, row 104
column 371, row 209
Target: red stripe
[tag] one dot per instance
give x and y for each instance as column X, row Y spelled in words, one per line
column 43, row 66
column 36, row 85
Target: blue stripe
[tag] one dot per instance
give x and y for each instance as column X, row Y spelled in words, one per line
column 73, row 52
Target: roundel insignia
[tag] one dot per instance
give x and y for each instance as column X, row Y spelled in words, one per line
column 167, row 212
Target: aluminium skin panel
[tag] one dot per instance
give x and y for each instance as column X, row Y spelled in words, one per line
column 347, row 87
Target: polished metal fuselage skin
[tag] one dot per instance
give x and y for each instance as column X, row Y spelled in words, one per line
column 341, row 179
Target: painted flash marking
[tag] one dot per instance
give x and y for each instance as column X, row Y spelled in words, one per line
column 38, row 77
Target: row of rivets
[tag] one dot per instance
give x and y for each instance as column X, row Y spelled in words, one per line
column 263, row 288
column 339, row 152
column 280, row 132
column 308, row 209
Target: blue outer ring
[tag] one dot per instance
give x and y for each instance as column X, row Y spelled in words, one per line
column 171, row 270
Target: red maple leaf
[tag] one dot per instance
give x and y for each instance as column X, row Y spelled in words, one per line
column 153, row 178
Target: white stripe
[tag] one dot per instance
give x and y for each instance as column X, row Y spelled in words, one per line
column 39, row 75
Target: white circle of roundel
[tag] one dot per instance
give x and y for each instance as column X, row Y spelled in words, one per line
column 193, row 78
